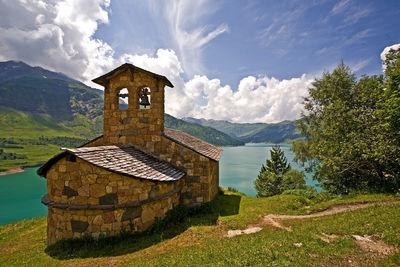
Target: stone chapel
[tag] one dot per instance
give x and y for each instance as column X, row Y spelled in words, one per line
column 132, row 174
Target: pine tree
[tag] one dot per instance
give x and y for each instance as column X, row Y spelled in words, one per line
column 277, row 175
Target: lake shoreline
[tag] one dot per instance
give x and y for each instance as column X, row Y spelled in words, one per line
column 20, row 169
column 12, row 171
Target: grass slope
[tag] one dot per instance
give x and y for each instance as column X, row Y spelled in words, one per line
column 199, row 239
column 26, row 128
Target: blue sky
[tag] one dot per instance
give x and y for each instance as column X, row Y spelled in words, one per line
column 282, row 39
column 244, row 61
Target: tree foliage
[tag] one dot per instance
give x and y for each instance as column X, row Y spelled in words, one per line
column 351, row 130
column 277, row 176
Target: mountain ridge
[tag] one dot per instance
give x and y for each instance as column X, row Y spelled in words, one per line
column 281, row 132
column 57, row 99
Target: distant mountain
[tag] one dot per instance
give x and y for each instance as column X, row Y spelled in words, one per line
column 205, row 133
column 38, row 91
column 253, row 132
column 37, row 102
column 12, row 70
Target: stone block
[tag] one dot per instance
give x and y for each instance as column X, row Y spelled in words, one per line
column 143, row 196
column 69, row 192
column 97, row 190
column 126, row 120
column 128, row 133
column 93, row 201
column 108, row 217
column 109, row 189
column 154, row 191
column 193, row 179
column 80, row 200
column 84, row 190
column 62, row 168
column 186, row 195
column 188, row 165
column 109, row 199
column 102, row 181
column 79, row 226
column 144, row 120
column 106, row 227
column 131, row 213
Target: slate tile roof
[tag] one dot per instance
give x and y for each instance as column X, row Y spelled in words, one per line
column 125, row 160
column 194, row 143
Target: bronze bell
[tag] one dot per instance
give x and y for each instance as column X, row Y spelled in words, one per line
column 144, row 97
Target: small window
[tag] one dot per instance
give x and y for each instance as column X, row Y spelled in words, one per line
column 123, row 99
column 144, row 98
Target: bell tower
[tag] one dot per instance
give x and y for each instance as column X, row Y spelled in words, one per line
column 133, row 106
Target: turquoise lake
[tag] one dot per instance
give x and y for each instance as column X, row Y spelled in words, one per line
column 20, row 193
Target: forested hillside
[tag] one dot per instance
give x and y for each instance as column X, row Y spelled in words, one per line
column 253, row 132
column 41, row 111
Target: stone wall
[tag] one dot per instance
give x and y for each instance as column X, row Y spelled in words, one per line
column 202, row 181
column 134, row 125
column 197, row 187
column 83, row 198
column 213, row 175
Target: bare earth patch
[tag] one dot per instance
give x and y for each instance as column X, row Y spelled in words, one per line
column 247, row 231
column 373, row 249
column 367, row 244
column 276, row 219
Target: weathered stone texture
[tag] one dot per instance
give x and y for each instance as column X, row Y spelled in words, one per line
column 64, row 224
column 77, row 183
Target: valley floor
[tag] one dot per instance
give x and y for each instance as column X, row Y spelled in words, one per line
column 352, row 231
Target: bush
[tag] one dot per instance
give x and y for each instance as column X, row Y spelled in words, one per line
column 232, row 189
column 310, row 193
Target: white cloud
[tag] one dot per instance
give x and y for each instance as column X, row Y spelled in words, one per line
column 359, row 36
column 340, row 7
column 185, row 20
column 350, row 12
column 57, row 35
column 385, row 51
column 60, row 36
column 257, row 99
column 360, row 65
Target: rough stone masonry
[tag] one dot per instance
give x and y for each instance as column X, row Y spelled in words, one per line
column 135, row 172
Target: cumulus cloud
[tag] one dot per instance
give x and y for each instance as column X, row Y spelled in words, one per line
column 59, row 35
column 257, row 99
column 385, row 51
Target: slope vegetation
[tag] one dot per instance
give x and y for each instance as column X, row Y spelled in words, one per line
column 253, row 132
column 366, row 236
column 40, row 110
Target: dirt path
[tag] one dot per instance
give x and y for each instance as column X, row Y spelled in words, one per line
column 275, row 219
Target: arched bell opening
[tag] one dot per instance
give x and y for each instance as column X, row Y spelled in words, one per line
column 123, row 99
column 144, row 98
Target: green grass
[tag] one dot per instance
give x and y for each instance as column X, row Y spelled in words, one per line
column 25, row 126
column 198, row 240
column 36, row 154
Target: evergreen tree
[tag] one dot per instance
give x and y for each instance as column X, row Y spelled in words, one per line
column 277, row 176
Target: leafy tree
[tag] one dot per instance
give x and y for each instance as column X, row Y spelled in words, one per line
column 350, row 141
column 391, row 108
column 277, row 176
